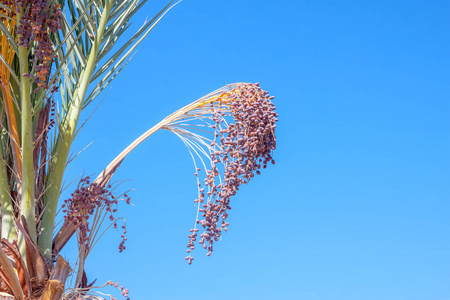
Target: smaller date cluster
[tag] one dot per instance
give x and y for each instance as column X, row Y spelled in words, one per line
column 92, row 200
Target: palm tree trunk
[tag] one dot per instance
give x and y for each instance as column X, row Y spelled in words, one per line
column 55, row 285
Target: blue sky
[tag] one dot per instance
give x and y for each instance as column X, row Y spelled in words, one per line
column 357, row 205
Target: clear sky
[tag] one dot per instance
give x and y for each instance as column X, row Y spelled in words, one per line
column 357, row 205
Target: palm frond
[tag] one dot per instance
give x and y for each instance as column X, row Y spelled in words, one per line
column 4, row 30
column 99, row 24
column 108, row 70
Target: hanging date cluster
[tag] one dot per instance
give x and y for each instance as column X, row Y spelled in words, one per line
column 241, row 148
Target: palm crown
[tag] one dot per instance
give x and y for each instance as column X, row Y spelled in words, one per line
column 67, row 48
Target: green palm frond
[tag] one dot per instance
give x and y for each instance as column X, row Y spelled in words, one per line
column 85, row 56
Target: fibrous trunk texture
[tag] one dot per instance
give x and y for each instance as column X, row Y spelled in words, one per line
column 5, row 296
column 55, row 285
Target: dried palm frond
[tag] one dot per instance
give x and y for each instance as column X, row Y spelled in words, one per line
column 9, row 276
column 90, row 293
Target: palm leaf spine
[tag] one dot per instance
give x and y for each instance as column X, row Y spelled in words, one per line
column 64, row 141
column 27, row 204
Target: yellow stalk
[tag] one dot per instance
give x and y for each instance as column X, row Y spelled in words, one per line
column 12, row 128
column 7, row 209
column 8, row 54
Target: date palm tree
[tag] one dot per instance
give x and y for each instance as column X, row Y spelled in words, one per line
column 69, row 48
